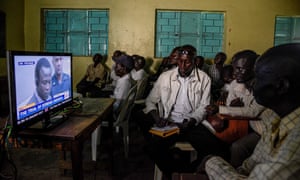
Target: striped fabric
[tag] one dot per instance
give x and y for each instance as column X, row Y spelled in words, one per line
column 277, row 155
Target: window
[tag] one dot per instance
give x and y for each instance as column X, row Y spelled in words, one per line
column 287, row 30
column 204, row 30
column 81, row 32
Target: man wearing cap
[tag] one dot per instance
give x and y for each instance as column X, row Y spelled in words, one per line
column 113, row 76
column 124, row 65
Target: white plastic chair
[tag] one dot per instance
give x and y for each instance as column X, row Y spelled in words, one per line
column 122, row 120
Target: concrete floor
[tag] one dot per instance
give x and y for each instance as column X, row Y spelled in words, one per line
column 42, row 164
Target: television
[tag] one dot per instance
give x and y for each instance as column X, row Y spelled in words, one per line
column 36, row 95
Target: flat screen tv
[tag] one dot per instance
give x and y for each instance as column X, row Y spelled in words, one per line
column 40, row 86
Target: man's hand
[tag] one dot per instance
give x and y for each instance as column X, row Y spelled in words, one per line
column 161, row 122
column 222, row 99
column 237, row 102
column 96, row 81
column 187, row 124
column 217, row 123
column 211, row 109
column 158, row 121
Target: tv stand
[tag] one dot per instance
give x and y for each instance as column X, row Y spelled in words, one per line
column 72, row 134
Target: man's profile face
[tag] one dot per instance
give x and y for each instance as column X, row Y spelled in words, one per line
column 120, row 70
column 173, row 58
column 138, row 64
column 199, row 62
column 58, row 66
column 218, row 59
column 264, row 89
column 44, row 83
column 185, row 65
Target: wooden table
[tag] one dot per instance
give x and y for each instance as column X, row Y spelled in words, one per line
column 75, row 130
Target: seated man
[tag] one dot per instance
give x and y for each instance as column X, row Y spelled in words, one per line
column 215, row 71
column 167, row 63
column 138, row 72
column 113, row 76
column 179, row 96
column 124, row 65
column 94, row 79
column 240, row 102
column 201, row 64
column 277, row 155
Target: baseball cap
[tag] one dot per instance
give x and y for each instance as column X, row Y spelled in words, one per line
column 125, row 60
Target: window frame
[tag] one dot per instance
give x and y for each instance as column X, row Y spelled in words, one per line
column 101, row 39
column 200, row 49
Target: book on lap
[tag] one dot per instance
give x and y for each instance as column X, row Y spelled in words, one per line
column 164, row 131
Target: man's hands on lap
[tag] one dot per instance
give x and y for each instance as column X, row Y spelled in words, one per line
column 160, row 122
column 217, row 123
column 212, row 109
column 186, row 125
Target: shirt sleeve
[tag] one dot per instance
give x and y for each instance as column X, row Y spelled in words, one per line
column 121, row 90
column 217, row 168
column 252, row 110
column 200, row 112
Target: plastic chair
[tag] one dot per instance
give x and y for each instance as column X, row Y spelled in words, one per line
column 141, row 87
column 122, row 120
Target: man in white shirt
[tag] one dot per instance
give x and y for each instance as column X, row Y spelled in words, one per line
column 124, row 65
column 240, row 102
column 138, row 72
column 179, row 96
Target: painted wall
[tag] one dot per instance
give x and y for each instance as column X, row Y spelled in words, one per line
column 14, row 11
column 249, row 24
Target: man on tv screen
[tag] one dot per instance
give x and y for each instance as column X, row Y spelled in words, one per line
column 43, row 82
column 61, row 82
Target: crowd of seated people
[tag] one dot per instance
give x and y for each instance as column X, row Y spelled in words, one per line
column 216, row 107
column 238, row 103
column 125, row 72
column 277, row 154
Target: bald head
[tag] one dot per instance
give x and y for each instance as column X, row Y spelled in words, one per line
column 277, row 77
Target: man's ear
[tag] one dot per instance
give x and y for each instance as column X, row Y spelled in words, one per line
column 282, row 86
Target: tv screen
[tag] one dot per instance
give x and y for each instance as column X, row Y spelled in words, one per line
column 40, row 84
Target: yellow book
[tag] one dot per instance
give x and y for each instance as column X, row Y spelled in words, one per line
column 164, row 131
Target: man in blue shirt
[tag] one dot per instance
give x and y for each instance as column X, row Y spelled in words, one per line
column 61, row 82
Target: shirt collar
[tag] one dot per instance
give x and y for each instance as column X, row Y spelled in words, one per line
column 190, row 77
